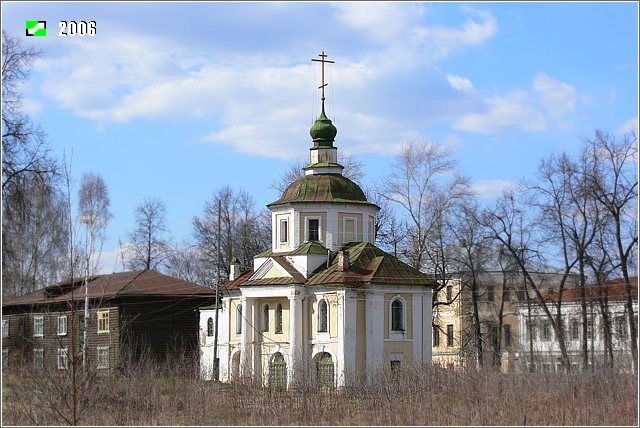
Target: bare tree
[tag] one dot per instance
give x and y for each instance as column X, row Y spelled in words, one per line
column 150, row 247
column 185, row 261
column 511, row 223
column 32, row 216
column 424, row 184
column 470, row 261
column 24, row 147
column 613, row 179
column 568, row 221
column 353, row 170
column 33, row 236
column 243, row 232
column 94, row 214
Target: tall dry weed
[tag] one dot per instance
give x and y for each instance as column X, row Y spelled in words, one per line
column 171, row 394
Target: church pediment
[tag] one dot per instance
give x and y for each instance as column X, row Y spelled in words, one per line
column 277, row 267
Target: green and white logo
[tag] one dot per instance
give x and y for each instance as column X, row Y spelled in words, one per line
column 36, row 28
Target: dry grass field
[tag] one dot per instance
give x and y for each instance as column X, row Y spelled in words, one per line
column 412, row 397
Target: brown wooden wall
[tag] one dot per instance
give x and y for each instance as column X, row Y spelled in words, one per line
column 22, row 342
column 161, row 328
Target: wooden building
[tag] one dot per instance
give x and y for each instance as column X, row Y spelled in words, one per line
column 132, row 314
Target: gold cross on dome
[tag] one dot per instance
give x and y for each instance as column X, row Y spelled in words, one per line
column 323, row 61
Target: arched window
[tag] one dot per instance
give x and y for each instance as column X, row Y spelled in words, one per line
column 326, row 376
column 279, row 318
column 239, row 319
column 323, row 316
column 265, row 318
column 210, row 327
column 397, row 315
column 278, row 371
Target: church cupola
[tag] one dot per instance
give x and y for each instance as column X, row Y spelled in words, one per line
column 323, row 132
column 322, row 210
column 324, row 155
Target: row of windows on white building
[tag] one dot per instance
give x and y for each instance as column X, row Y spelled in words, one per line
column 313, row 230
column 397, row 317
column 620, row 326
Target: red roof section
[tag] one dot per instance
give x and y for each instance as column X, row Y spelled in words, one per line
column 134, row 283
column 614, row 289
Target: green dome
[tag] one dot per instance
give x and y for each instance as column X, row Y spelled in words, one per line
column 323, row 132
column 322, row 188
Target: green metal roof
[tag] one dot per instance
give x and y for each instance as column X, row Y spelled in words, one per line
column 322, row 188
column 311, row 247
column 323, row 132
column 368, row 264
column 322, row 165
column 265, row 253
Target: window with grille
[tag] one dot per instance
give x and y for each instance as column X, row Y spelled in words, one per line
column 436, row 336
column 279, row 318
column 284, row 231
column 313, row 229
column 210, row 327
column 326, row 372
column 38, row 358
column 265, row 318
column 493, row 336
column 397, row 315
column 546, row 331
column 449, row 293
column 38, row 325
column 103, row 357
column 62, row 325
column 323, row 316
column 349, row 230
column 506, row 335
column 531, row 330
column 239, row 319
column 491, row 293
column 589, row 328
column 5, row 328
column 5, row 358
column 621, row 327
column 450, row 335
column 63, row 358
column 575, row 330
column 278, row 371
column 103, row 321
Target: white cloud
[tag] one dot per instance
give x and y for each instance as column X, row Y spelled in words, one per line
column 382, row 22
column 31, row 106
column 491, row 189
column 557, row 97
column 550, row 103
column 512, row 111
column 443, row 41
column 628, row 126
column 261, row 106
column 459, row 83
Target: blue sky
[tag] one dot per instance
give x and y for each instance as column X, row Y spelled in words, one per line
column 174, row 100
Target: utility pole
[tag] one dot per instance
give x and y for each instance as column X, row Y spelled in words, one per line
column 216, row 362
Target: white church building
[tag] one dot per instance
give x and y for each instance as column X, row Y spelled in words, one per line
column 323, row 304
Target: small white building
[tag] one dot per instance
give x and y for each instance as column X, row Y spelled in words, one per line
column 324, row 304
column 539, row 349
